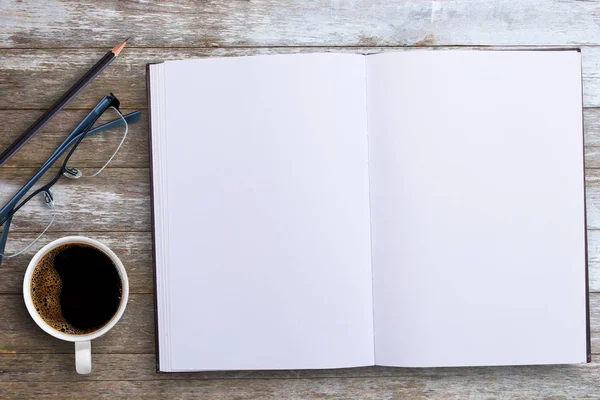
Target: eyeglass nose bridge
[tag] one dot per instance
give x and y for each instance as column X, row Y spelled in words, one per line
column 72, row 173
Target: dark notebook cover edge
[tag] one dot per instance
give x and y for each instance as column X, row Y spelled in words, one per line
column 154, row 269
column 585, row 235
column 587, row 264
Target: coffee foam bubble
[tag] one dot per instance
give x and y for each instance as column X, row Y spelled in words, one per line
column 45, row 290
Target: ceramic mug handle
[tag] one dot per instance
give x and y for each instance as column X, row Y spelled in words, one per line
column 83, row 357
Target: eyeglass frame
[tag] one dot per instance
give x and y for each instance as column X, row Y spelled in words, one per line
column 81, row 131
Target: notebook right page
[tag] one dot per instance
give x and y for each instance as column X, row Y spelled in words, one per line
column 477, row 207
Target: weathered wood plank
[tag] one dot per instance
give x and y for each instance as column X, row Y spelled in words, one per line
column 593, row 240
column 116, row 200
column 592, row 186
column 126, row 367
column 141, row 367
column 133, row 334
column 133, row 248
column 114, row 362
column 133, row 153
column 591, row 122
column 189, row 23
column 125, row 206
column 119, row 200
column 595, row 324
column 33, row 79
column 591, row 119
column 561, row 382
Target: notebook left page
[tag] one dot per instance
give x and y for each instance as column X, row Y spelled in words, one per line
column 262, row 205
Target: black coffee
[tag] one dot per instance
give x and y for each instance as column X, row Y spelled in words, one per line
column 76, row 288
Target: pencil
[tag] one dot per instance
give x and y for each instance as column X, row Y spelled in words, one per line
column 60, row 103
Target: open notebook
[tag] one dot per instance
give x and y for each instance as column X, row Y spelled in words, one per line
column 417, row 209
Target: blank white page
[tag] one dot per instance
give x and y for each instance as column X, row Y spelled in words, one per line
column 266, row 163
column 477, row 202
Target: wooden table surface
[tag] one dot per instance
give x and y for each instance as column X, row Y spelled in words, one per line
column 46, row 45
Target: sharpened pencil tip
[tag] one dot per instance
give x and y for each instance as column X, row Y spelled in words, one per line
column 117, row 49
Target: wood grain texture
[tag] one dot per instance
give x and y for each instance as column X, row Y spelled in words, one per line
column 119, row 201
column 133, row 153
column 141, row 367
column 516, row 383
column 45, row 46
column 134, row 249
column 116, row 200
column 593, row 240
column 32, row 78
column 592, row 187
column 120, row 373
column 179, row 23
column 134, row 334
column 591, row 122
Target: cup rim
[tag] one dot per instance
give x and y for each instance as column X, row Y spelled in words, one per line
column 29, row 301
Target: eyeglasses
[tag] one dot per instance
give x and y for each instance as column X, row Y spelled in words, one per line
column 37, row 211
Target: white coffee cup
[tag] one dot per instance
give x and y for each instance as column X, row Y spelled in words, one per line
column 83, row 346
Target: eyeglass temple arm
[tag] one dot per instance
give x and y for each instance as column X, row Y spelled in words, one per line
column 131, row 118
column 4, row 237
column 81, row 127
